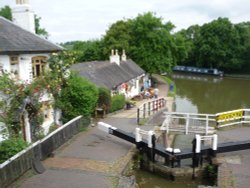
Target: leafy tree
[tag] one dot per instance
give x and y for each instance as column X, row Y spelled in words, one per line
column 118, row 36
column 218, row 45
column 78, row 97
column 6, row 12
column 182, row 48
column 88, row 50
column 147, row 40
column 40, row 31
column 190, row 36
column 244, row 33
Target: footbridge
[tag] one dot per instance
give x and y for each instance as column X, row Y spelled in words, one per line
column 203, row 123
column 204, row 144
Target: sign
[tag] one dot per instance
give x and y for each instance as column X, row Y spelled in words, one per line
column 230, row 116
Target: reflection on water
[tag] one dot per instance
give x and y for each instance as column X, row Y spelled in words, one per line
column 207, row 94
column 183, row 104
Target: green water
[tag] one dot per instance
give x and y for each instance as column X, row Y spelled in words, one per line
column 207, row 94
column 200, row 94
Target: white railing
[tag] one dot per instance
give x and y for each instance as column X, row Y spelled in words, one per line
column 234, row 117
column 149, row 108
column 204, row 123
column 188, row 122
column 199, row 138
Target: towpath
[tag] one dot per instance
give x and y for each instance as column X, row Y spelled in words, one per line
column 92, row 158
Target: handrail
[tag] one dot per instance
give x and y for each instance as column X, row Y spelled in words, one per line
column 222, row 119
column 149, row 108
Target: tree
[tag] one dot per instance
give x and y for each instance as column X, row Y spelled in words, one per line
column 190, row 37
column 218, row 45
column 244, row 33
column 40, row 31
column 147, row 40
column 88, row 50
column 118, row 37
column 6, row 12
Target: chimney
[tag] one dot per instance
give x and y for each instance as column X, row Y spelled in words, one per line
column 114, row 58
column 124, row 57
column 23, row 15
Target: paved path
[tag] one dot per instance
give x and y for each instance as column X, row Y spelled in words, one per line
column 92, row 158
column 238, row 162
column 235, row 170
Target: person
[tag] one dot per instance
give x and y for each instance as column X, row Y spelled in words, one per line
column 142, row 88
column 147, row 94
column 156, row 92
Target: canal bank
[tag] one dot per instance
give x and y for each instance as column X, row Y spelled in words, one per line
column 92, row 158
column 206, row 94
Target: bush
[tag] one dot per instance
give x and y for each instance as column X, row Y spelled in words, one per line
column 104, row 98
column 117, row 103
column 10, row 147
column 78, row 97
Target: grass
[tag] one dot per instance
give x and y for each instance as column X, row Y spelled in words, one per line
column 170, row 82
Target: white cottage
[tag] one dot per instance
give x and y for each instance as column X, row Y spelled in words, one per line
column 23, row 53
column 119, row 74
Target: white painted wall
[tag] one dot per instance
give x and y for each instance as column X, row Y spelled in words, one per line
column 5, row 62
column 134, row 90
column 25, row 75
column 25, row 65
column 24, row 17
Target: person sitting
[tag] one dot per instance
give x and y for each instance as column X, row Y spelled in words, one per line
column 147, row 94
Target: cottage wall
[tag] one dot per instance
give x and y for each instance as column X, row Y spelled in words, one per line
column 24, row 65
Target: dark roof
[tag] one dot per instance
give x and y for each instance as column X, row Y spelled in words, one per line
column 106, row 74
column 15, row 40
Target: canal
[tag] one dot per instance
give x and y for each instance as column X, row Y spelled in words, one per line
column 207, row 94
column 201, row 94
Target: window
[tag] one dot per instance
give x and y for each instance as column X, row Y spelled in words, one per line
column 14, row 66
column 38, row 66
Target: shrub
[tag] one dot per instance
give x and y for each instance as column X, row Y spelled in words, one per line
column 117, row 103
column 104, row 98
column 78, row 97
column 10, row 147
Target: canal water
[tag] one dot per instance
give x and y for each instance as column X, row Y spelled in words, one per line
column 201, row 94
column 207, row 94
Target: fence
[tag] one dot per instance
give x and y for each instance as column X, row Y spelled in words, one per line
column 189, row 122
column 149, row 108
column 204, row 123
column 13, row 168
column 234, row 117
